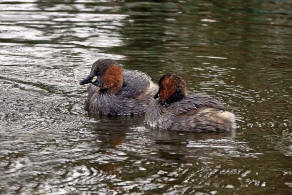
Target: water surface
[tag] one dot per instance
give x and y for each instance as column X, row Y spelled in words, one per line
column 237, row 51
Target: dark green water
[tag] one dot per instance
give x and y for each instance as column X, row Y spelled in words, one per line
column 238, row 51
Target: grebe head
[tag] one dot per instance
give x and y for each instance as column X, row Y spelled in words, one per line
column 172, row 88
column 105, row 74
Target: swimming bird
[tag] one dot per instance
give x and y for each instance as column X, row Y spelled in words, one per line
column 114, row 91
column 173, row 109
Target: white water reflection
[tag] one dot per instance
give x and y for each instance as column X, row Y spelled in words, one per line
column 50, row 146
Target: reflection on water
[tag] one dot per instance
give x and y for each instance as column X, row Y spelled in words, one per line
column 237, row 51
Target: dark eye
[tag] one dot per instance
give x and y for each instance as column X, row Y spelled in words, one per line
column 97, row 71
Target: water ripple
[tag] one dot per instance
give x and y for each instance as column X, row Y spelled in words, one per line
column 234, row 51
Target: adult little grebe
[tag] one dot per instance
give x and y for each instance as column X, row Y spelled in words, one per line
column 113, row 91
column 196, row 113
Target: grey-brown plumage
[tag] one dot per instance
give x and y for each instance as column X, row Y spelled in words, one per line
column 128, row 95
column 195, row 113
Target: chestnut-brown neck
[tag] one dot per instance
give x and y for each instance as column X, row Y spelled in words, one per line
column 172, row 88
column 112, row 79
